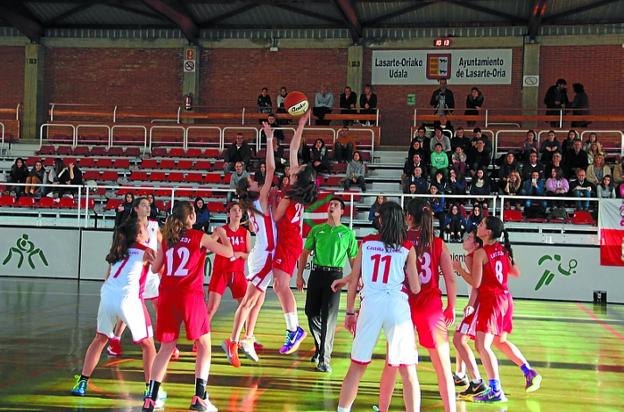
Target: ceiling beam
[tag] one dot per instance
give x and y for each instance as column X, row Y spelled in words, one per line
column 351, row 18
column 177, row 16
column 308, row 13
column 399, row 12
column 234, row 12
column 72, row 11
column 487, row 10
column 537, row 14
column 117, row 4
column 580, row 9
column 18, row 16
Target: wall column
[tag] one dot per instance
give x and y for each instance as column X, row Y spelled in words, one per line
column 190, row 79
column 355, row 57
column 35, row 111
column 530, row 88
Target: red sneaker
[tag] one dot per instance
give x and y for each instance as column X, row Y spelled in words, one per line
column 231, row 350
column 114, row 347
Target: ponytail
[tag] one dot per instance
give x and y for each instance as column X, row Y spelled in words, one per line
column 175, row 225
column 422, row 216
column 507, row 245
column 245, row 197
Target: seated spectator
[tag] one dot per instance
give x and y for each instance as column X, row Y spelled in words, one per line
column 460, row 139
column 51, row 177
column 278, row 133
column 478, row 158
column 35, row 178
column 513, row 187
column 508, row 165
column 440, row 181
column 581, row 187
column 575, row 158
column 323, row 104
column 18, row 174
column 439, row 160
column 202, row 222
column 424, row 139
column 410, row 165
column 416, row 148
column 238, row 151
column 319, row 158
column 124, row 210
column 605, row 189
column 348, row 101
column 549, row 147
column 557, row 184
column 595, row 149
column 474, row 103
column 618, row 177
column 441, row 139
column 373, row 214
column 238, row 174
column 368, row 102
column 480, row 185
column 532, row 165
column 534, row 186
column 438, row 207
column 422, row 185
column 70, row 175
column 283, row 182
column 264, row 101
column 412, row 189
column 356, row 173
column 456, row 184
column 459, row 160
column 444, row 123
column 592, row 138
column 455, row 225
column 568, row 142
column 474, row 219
column 344, row 146
column 478, row 135
column 529, row 145
column 260, row 174
column 554, row 164
column 154, row 212
column 596, row 171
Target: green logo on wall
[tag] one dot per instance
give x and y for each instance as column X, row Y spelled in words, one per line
column 548, row 276
column 22, row 247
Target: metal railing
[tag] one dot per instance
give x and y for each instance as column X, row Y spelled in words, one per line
column 128, row 142
column 47, row 126
column 93, row 126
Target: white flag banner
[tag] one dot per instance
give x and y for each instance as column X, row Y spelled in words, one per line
column 611, row 226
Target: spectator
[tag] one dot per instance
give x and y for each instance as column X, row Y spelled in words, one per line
column 575, row 158
column 556, row 162
column 460, row 139
column 596, row 171
column 508, row 165
column 356, row 173
column 238, row 174
column 529, row 145
column 534, row 186
column 440, row 138
column 409, row 166
column 532, row 165
column 416, row 148
column 51, row 177
column 459, row 160
column 480, row 185
column 348, row 101
column 444, row 123
column 239, row 151
column 421, row 136
column 422, row 185
column 264, row 101
column 513, row 187
column 154, row 212
column 319, row 157
column 474, row 103
column 284, row 182
column 438, row 207
column 373, row 214
column 456, row 183
column 368, row 102
column 478, row 158
column 478, row 135
column 35, row 178
column 440, row 181
column 557, row 184
column 474, row 219
column 277, row 132
column 549, row 147
column 125, row 209
column 323, row 104
column 581, row 187
column 605, row 189
column 439, row 160
column 556, row 99
column 412, row 189
column 442, row 99
column 569, row 141
column 202, row 222
column 455, row 225
column 18, row 174
column 595, row 149
column 280, row 106
column 344, row 146
column 580, row 105
column 260, row 174
column 618, row 178
column 70, row 175
column 593, row 138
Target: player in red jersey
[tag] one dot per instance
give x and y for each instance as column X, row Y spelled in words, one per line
column 430, row 319
column 182, row 255
column 289, row 218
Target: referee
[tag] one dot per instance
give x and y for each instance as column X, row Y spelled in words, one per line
column 331, row 243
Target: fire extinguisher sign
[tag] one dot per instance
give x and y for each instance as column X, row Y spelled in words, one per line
column 189, row 66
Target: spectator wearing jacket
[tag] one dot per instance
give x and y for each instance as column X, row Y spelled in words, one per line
column 455, row 224
column 581, row 187
column 35, row 177
column 356, row 173
column 202, row 222
column 534, row 186
column 598, row 170
column 238, row 151
column 442, row 99
column 18, row 174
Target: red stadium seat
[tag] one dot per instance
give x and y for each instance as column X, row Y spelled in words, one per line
column 227, row 178
column 160, row 204
column 366, row 156
column 7, row 200
column 66, row 203
column 137, row 175
column 81, row 151
column 334, row 181
column 216, row 207
column 113, row 203
column 64, row 150
column 122, row 163
column 149, row 164
column 46, row 149
column 133, row 151
column 213, row 178
column 176, row 177
column 109, row 176
column 30, row 162
column 162, row 192
column 46, row 203
column 583, row 218
column 339, row 168
column 83, row 202
column 98, row 151
column 211, row 152
column 202, row 165
column 87, row 162
column 167, row 164
column 184, row 164
column 176, row 152
column 158, row 176
column 91, row 175
column 159, row 151
column 115, row 151
column 26, row 201
column 105, row 163
column 512, row 216
column 194, row 178
column 193, row 152
column 218, row 165
column 185, row 193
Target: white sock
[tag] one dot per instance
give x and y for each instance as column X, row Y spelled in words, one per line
column 343, row 409
column 292, row 321
column 476, row 381
column 460, row 375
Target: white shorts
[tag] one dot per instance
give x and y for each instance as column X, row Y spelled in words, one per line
column 390, row 313
column 131, row 310
column 152, row 283
column 260, row 269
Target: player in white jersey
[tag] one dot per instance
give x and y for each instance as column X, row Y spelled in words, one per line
column 121, row 299
column 383, row 262
column 257, row 202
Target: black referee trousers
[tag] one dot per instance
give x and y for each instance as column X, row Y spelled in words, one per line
column 321, row 308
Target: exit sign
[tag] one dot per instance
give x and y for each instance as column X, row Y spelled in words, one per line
column 442, row 42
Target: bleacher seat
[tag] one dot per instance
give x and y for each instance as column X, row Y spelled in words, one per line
column 158, row 176
column 137, row 175
column 86, row 162
column 133, row 151
column 334, row 180
column 98, row 151
column 105, row 162
column 176, row 177
column 81, row 151
column 167, row 164
column 83, row 202
column 193, row 152
column 46, row 149
column 66, row 203
column 581, row 217
column 122, row 163
column 64, row 150
column 213, row 178
column 512, row 215
column 6, row 200
column 202, row 165
column 46, row 203
column 113, row 203
column 184, row 164
column 211, row 153
column 216, row 207
column 176, row 152
column 26, row 201
column 194, row 178
column 109, row 176
column 159, row 151
column 115, row 151
column 90, row 175
column 149, row 164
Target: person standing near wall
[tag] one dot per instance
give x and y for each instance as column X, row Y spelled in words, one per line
column 331, row 243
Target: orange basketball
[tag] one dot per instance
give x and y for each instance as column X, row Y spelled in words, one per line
column 296, row 103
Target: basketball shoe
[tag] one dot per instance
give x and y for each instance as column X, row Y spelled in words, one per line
column 80, row 387
column 231, row 350
column 114, row 347
column 292, row 341
column 533, row 381
column 199, row 404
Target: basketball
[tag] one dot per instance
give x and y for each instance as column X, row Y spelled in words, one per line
column 296, row 103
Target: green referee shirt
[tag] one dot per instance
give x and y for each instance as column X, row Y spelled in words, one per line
column 331, row 245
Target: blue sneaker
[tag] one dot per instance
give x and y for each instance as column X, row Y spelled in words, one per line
column 80, row 387
column 292, row 341
column 490, row 396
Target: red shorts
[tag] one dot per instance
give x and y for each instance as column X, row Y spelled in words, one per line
column 468, row 324
column 492, row 312
column 235, row 280
column 428, row 319
column 287, row 254
column 508, row 319
column 174, row 309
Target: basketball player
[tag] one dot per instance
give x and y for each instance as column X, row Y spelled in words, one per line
column 121, row 298
column 182, row 255
column 429, row 318
column 383, row 262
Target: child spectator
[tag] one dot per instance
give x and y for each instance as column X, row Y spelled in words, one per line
column 356, row 172
column 605, row 188
column 202, row 222
column 455, row 225
column 598, row 170
column 440, row 181
column 35, row 177
column 459, row 160
column 18, row 174
column 439, row 160
column 456, row 183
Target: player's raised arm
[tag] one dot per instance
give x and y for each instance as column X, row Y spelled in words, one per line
column 295, row 143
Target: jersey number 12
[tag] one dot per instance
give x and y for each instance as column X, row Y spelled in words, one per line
column 180, row 270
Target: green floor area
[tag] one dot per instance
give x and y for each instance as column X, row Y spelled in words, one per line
column 46, row 326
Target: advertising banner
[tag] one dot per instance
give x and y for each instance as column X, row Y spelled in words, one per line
column 611, row 224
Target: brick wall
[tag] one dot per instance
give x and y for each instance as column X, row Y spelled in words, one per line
column 12, row 76
column 111, row 76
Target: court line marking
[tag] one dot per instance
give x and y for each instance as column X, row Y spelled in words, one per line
column 600, row 321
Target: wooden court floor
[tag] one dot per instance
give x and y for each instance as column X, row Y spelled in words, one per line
column 46, row 326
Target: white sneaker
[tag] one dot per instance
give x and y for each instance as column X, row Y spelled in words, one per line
column 160, row 401
column 247, row 346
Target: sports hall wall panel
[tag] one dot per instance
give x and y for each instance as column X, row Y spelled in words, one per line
column 11, row 76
